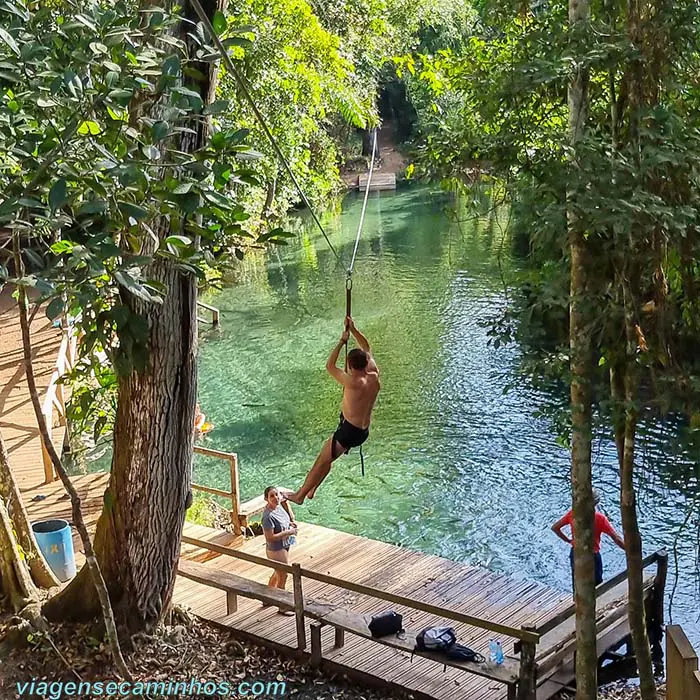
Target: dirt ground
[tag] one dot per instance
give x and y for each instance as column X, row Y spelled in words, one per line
column 187, row 651
column 391, row 159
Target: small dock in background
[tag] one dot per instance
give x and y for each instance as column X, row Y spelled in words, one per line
column 338, row 580
column 380, row 181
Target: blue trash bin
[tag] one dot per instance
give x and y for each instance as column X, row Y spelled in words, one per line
column 55, row 541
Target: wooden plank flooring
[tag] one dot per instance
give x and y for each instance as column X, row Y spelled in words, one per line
column 17, row 421
column 380, row 181
column 398, row 570
column 428, row 578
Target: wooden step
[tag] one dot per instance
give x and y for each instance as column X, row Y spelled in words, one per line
column 380, row 181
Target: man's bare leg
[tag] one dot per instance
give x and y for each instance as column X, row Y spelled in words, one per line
column 319, row 471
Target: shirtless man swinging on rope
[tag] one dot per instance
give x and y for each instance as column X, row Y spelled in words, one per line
column 360, row 388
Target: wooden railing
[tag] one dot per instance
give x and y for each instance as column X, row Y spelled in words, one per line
column 214, row 313
column 527, row 636
column 234, row 494
column 659, row 558
column 521, row 633
column 55, row 399
column 682, row 675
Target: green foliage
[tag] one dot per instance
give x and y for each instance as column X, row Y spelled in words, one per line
column 200, row 512
column 495, row 110
column 301, row 81
column 98, row 186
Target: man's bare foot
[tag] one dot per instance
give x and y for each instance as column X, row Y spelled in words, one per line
column 294, row 498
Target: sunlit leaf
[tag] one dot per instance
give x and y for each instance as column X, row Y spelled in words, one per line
column 89, row 127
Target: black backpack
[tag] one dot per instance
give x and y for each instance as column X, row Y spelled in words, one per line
column 443, row 640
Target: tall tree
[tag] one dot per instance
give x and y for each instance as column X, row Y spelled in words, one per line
column 581, row 363
column 138, row 534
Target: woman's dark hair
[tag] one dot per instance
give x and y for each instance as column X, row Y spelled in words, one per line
column 357, row 359
column 267, row 491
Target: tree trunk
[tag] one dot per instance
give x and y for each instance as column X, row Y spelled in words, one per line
column 41, row 573
column 16, row 582
column 628, row 508
column 269, row 198
column 91, row 562
column 138, row 534
column 581, row 375
column 368, row 136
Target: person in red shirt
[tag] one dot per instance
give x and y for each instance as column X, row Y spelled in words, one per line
column 601, row 525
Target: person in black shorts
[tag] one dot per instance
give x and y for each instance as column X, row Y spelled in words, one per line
column 360, row 388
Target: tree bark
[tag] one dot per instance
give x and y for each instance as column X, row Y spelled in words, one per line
column 628, row 508
column 16, row 582
column 368, row 136
column 41, row 573
column 138, row 534
column 581, row 365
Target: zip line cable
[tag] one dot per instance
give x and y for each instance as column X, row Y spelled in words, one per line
column 246, row 93
column 240, row 81
column 364, row 204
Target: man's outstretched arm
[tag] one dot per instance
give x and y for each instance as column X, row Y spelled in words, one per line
column 331, row 365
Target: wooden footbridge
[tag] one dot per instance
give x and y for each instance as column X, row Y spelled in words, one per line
column 337, row 580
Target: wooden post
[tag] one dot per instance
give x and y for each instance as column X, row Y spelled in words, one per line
column 214, row 317
column 339, row 637
column 231, row 602
column 316, row 650
column 235, row 497
column 527, row 685
column 656, row 623
column 299, row 607
column 681, row 666
column 46, row 458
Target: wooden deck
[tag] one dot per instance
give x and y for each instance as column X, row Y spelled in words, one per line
column 17, row 421
column 380, row 181
column 393, row 569
column 477, row 592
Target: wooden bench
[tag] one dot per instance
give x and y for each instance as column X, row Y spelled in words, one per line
column 234, row 586
column 341, row 619
column 347, row 621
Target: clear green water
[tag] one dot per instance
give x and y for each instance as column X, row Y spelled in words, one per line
column 455, row 466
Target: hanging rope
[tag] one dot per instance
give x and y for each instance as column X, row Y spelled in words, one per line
column 249, row 98
column 364, row 206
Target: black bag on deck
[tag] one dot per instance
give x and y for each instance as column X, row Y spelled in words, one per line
column 443, row 640
column 386, row 623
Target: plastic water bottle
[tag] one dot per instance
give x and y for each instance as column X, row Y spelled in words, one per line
column 496, row 652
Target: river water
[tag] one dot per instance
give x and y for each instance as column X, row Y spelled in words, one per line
column 458, row 463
